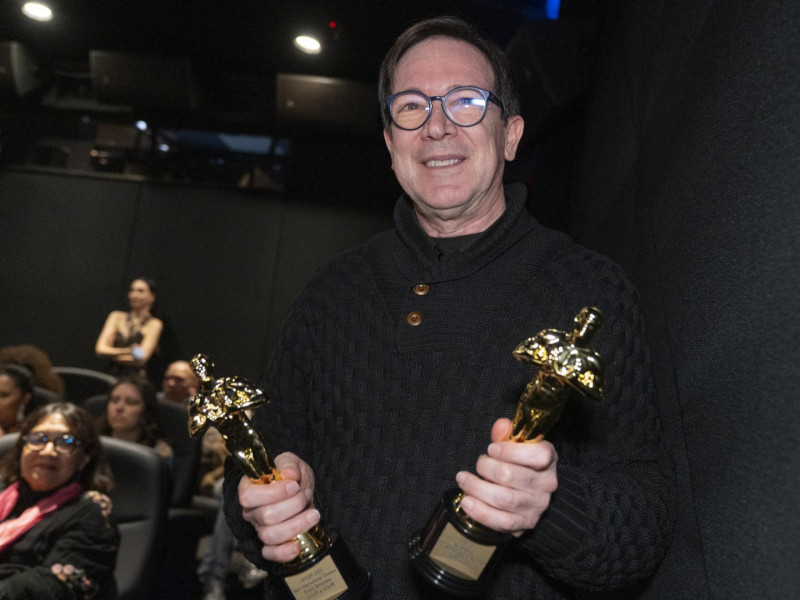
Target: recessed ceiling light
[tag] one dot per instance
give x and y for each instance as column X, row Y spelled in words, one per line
column 308, row 44
column 37, row 11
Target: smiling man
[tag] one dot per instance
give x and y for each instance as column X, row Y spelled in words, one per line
column 394, row 375
column 449, row 154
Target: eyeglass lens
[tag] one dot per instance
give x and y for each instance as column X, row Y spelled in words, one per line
column 64, row 443
column 464, row 106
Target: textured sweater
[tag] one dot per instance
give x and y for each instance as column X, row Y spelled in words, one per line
column 394, row 363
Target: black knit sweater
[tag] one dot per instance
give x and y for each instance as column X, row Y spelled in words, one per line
column 387, row 412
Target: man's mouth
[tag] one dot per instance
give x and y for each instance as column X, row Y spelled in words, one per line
column 443, row 163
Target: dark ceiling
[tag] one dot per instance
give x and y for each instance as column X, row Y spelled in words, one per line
column 234, row 50
column 202, row 72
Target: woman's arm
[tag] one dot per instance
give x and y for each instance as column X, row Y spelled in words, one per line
column 104, row 347
column 151, row 332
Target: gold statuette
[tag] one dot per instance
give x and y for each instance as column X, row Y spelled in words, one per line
column 325, row 569
column 455, row 553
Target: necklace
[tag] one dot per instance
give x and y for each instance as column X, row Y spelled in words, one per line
column 135, row 325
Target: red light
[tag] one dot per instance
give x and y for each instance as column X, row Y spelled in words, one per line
column 332, row 24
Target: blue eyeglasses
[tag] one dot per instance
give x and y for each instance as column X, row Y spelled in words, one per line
column 64, row 443
column 465, row 106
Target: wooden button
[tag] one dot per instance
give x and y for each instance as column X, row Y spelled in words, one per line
column 421, row 289
column 414, row 318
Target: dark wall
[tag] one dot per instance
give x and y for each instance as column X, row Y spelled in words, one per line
column 227, row 263
column 690, row 179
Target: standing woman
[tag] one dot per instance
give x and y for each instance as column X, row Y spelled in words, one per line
column 16, row 390
column 57, row 537
column 130, row 338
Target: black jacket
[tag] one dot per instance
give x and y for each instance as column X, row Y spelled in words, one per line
column 80, row 534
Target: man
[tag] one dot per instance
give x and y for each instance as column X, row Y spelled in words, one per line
column 179, row 384
column 394, row 368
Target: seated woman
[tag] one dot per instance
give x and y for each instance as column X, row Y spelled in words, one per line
column 38, row 362
column 57, row 538
column 130, row 338
column 132, row 414
column 16, row 390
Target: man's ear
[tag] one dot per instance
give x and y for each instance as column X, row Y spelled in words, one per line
column 514, row 129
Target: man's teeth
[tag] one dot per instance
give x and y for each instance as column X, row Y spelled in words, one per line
column 442, row 163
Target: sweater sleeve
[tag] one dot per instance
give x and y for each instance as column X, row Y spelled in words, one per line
column 609, row 522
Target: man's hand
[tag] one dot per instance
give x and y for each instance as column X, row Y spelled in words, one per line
column 281, row 510
column 513, row 484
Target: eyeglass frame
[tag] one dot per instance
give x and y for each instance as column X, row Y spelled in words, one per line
column 488, row 96
column 63, row 443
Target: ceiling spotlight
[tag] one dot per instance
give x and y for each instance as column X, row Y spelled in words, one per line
column 37, row 11
column 308, row 44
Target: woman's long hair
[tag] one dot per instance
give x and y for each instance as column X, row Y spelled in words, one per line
column 96, row 475
column 151, row 431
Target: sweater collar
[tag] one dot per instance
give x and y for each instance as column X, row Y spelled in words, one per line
column 416, row 256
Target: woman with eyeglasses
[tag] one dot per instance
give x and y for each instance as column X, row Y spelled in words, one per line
column 57, row 536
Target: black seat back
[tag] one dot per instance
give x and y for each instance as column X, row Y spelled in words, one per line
column 80, row 384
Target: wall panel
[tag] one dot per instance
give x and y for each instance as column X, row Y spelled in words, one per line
column 227, row 263
column 64, row 246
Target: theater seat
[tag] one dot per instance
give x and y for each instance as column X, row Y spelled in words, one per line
column 41, row 397
column 184, row 525
column 80, row 384
column 95, row 405
column 140, row 498
column 174, row 421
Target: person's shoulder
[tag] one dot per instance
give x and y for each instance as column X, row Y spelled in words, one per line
column 568, row 250
column 99, row 502
column 91, row 506
column 352, row 260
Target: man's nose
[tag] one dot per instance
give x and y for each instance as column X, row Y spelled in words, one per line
column 438, row 124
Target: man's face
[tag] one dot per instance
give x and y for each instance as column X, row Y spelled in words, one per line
column 451, row 173
column 179, row 382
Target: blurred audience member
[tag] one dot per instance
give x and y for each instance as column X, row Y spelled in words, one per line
column 16, row 390
column 130, row 339
column 179, row 383
column 38, row 361
column 212, row 465
column 57, row 539
column 222, row 558
column 132, row 414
